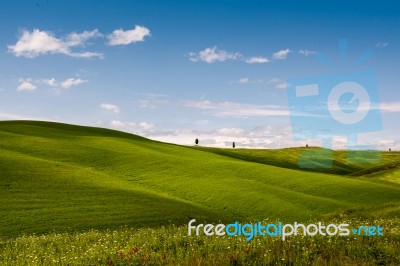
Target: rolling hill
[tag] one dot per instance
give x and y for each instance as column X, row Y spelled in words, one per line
column 67, row 178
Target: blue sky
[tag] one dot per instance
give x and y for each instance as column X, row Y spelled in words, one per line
column 179, row 70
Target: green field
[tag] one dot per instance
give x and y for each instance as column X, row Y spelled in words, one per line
column 59, row 178
column 170, row 245
column 66, row 178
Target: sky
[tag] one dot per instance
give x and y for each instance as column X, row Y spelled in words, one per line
column 174, row 71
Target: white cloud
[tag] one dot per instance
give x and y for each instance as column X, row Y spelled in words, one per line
column 142, row 128
column 382, row 140
column 274, row 80
column 237, row 132
column 121, row 37
column 212, row 55
column 258, row 137
column 384, row 107
column 307, row 52
column 86, row 55
column 271, row 137
column 281, row 85
column 263, row 136
column 37, row 42
column 238, row 110
column 26, row 85
column 79, row 39
column 246, row 80
column 152, row 103
column 257, row 59
column 393, row 107
column 122, row 125
column 50, row 82
column 145, row 126
column 282, row 54
column 243, row 80
column 110, row 107
column 13, row 116
column 382, row 44
column 68, row 83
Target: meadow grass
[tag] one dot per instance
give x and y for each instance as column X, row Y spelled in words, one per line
column 289, row 158
column 66, row 178
column 171, row 245
column 75, row 195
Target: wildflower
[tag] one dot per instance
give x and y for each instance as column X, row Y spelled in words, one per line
column 120, row 254
column 248, row 250
column 135, row 251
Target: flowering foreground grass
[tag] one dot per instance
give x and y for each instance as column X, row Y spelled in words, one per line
column 171, row 245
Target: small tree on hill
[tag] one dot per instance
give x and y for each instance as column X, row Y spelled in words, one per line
column 390, row 149
column 233, row 145
column 196, row 141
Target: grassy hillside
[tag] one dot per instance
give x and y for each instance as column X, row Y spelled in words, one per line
column 65, row 178
column 289, row 157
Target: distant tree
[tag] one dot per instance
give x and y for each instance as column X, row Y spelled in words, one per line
column 390, row 149
column 233, row 145
column 196, row 141
column 306, row 145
